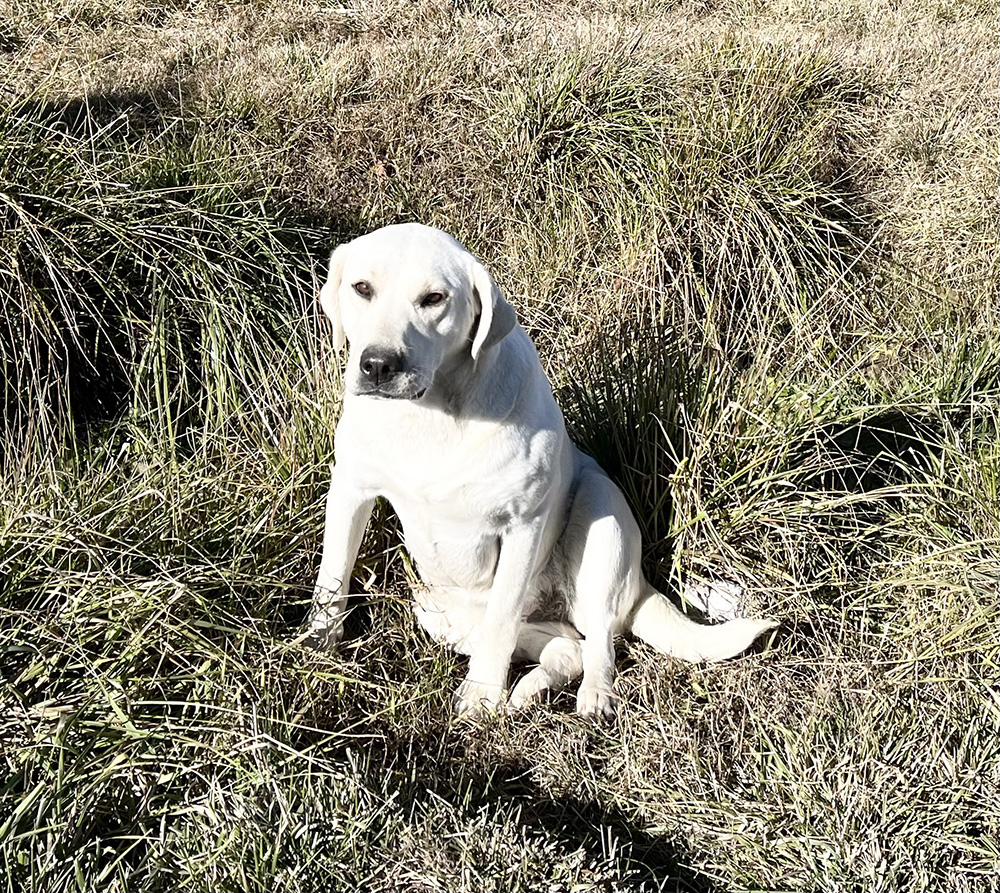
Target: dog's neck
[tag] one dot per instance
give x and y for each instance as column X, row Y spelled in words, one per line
column 484, row 388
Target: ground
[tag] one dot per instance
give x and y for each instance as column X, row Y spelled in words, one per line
column 756, row 244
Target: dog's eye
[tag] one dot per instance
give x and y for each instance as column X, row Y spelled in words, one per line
column 363, row 289
column 432, row 299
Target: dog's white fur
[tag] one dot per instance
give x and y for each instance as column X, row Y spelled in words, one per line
column 527, row 549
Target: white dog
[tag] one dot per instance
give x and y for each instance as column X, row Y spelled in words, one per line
column 526, row 547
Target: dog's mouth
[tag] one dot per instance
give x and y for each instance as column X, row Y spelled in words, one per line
column 385, row 392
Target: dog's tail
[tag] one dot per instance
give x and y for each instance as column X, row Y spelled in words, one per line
column 657, row 621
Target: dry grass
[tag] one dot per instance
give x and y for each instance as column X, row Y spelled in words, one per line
column 787, row 210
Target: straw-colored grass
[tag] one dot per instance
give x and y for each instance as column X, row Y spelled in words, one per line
column 757, row 247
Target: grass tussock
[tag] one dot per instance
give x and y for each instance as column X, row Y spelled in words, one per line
column 757, row 248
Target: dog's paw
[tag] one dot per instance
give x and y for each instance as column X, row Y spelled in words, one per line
column 321, row 635
column 595, row 703
column 531, row 689
column 473, row 700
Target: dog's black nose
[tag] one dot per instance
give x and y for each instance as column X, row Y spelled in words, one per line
column 378, row 364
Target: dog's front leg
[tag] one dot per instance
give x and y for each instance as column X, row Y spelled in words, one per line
column 485, row 685
column 347, row 512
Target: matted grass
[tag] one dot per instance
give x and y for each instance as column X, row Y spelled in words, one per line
column 757, row 246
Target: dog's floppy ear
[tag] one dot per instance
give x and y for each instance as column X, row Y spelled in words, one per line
column 328, row 298
column 496, row 316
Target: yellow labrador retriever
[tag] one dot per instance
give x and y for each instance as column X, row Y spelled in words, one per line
column 527, row 549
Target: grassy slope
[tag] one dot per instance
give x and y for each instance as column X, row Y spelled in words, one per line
column 787, row 210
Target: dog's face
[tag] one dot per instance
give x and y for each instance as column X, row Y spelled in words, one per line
column 409, row 299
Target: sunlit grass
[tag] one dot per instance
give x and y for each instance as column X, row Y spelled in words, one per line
column 761, row 272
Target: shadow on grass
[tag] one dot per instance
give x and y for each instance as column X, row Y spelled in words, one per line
column 868, row 454
column 596, row 837
column 480, row 793
column 604, row 834
column 483, row 777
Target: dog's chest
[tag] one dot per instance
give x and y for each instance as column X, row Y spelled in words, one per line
column 452, row 513
column 479, row 483
column 476, row 473
column 456, row 487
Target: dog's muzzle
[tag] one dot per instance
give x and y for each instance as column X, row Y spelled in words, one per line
column 384, row 374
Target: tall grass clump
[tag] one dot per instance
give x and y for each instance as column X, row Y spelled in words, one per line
column 157, row 349
column 714, row 190
column 138, row 282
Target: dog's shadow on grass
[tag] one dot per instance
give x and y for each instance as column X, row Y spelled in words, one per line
column 605, row 835
column 595, row 839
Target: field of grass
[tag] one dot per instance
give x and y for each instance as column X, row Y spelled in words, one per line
column 757, row 245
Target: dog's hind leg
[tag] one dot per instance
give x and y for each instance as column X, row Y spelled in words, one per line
column 557, row 648
column 602, row 565
column 454, row 618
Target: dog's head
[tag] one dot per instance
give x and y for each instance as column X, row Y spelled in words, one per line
column 409, row 299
